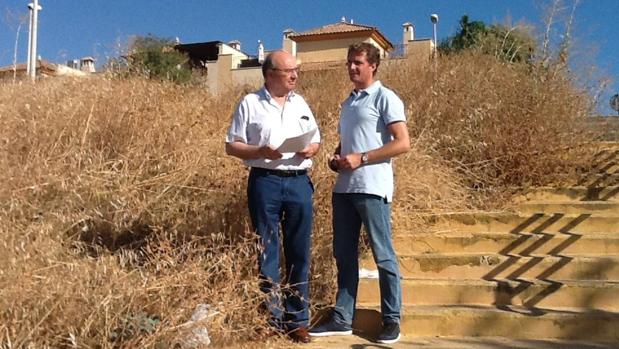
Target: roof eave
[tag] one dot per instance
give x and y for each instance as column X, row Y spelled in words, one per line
column 382, row 40
column 372, row 33
column 329, row 36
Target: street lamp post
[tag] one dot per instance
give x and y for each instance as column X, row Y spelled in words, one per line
column 29, row 38
column 31, row 68
column 434, row 20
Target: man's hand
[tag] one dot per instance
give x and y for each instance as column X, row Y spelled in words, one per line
column 334, row 163
column 309, row 151
column 349, row 162
column 267, row 152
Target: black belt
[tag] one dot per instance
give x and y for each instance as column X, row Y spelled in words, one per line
column 279, row 173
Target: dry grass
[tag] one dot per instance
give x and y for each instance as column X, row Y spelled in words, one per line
column 119, row 207
column 119, row 211
column 499, row 124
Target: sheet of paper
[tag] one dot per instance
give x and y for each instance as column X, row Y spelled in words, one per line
column 298, row 143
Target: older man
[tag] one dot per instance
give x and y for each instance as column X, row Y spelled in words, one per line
column 279, row 189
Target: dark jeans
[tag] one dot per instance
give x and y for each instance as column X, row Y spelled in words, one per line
column 349, row 212
column 273, row 199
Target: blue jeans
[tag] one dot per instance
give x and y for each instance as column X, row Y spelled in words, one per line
column 350, row 210
column 271, row 200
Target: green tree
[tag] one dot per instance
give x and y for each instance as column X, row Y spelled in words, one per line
column 512, row 44
column 468, row 36
column 156, row 58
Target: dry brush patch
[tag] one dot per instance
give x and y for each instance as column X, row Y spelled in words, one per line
column 120, row 212
column 499, row 124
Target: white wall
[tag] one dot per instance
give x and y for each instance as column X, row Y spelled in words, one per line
column 247, row 76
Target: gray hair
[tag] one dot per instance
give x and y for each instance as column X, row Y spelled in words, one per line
column 267, row 64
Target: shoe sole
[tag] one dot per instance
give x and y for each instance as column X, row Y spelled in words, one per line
column 333, row 333
column 389, row 341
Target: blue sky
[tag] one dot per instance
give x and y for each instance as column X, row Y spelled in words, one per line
column 71, row 29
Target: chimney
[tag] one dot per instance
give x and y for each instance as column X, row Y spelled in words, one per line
column 343, row 20
column 260, row 52
column 288, row 44
column 408, row 32
column 87, row 65
column 351, row 21
column 235, row 44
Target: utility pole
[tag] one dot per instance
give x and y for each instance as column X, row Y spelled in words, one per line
column 30, row 6
column 31, row 68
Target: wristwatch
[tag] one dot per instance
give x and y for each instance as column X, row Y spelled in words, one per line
column 364, row 158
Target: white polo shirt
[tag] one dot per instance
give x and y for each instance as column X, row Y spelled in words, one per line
column 260, row 120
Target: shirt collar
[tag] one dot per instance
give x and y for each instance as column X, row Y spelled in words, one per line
column 268, row 97
column 369, row 90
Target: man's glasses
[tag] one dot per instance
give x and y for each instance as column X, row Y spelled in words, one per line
column 288, row 71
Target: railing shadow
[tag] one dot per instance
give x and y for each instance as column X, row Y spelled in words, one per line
column 514, row 285
column 610, row 194
column 602, row 161
column 535, row 227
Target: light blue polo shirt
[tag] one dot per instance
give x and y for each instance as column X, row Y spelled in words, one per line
column 363, row 127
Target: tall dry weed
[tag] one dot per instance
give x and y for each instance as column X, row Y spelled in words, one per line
column 497, row 123
column 120, row 212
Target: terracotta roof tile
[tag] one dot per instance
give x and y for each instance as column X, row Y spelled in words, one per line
column 340, row 27
column 41, row 64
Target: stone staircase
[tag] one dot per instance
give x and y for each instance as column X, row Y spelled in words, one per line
column 547, row 269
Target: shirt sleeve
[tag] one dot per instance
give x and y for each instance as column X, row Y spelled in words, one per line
column 391, row 108
column 316, row 137
column 312, row 120
column 238, row 129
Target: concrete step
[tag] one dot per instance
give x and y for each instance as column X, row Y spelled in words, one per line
column 609, row 145
column 530, row 293
column 604, row 162
column 599, row 180
column 512, row 322
column 576, row 193
column 605, row 152
column 359, row 341
column 598, row 208
column 503, row 242
column 495, row 266
column 516, row 223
